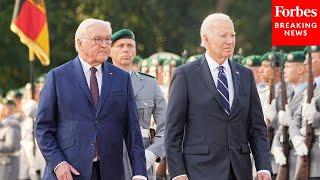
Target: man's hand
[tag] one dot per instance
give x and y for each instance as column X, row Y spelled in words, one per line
column 150, row 158
column 279, row 157
column 270, row 110
column 284, row 116
column 263, row 176
column 64, row 170
column 299, row 145
column 181, row 177
column 309, row 111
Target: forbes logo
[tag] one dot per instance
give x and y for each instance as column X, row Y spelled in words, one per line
column 295, row 12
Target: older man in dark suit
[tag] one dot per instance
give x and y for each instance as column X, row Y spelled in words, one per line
column 214, row 115
column 86, row 109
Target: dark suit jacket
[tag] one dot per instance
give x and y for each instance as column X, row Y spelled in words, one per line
column 201, row 140
column 67, row 123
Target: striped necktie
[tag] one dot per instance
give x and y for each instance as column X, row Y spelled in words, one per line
column 223, row 90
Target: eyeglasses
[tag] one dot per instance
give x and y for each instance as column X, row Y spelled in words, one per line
column 100, row 40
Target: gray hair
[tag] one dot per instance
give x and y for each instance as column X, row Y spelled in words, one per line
column 206, row 26
column 85, row 25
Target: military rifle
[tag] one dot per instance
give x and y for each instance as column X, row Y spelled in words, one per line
column 272, row 59
column 283, row 172
column 303, row 162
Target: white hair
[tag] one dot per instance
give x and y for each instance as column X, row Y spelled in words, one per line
column 85, row 25
column 206, row 26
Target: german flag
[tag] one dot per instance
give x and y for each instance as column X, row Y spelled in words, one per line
column 30, row 23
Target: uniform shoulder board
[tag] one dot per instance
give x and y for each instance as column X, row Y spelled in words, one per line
column 144, row 74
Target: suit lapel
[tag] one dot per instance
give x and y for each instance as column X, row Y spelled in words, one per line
column 106, row 84
column 81, row 79
column 207, row 78
column 236, row 80
column 137, row 83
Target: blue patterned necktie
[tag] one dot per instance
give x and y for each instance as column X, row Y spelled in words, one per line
column 223, row 90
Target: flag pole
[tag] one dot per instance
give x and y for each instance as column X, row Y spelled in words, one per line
column 31, row 72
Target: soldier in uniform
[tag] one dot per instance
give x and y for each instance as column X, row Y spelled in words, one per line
column 24, row 110
column 296, row 74
column 149, row 99
column 253, row 62
column 270, row 111
column 9, row 142
column 309, row 112
column 145, row 63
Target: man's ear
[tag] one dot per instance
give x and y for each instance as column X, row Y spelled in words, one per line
column 206, row 38
column 301, row 69
column 79, row 43
column 277, row 72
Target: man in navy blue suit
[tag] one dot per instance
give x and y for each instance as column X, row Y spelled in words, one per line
column 214, row 116
column 86, row 109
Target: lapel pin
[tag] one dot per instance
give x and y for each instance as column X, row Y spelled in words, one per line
column 110, row 73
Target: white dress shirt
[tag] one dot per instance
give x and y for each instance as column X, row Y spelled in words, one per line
column 317, row 81
column 86, row 70
column 213, row 66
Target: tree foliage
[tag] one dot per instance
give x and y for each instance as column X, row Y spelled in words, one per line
column 159, row 25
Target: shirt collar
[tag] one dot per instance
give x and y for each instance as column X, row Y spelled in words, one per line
column 86, row 66
column 8, row 119
column 317, row 81
column 214, row 65
column 300, row 87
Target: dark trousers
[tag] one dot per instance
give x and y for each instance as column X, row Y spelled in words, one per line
column 96, row 175
column 231, row 174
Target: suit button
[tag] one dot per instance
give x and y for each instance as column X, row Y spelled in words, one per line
column 92, row 143
column 96, row 121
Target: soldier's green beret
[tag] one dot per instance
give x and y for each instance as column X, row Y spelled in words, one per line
column 161, row 60
column 121, row 34
column 312, row 48
column 269, row 55
column 251, row 61
column 236, row 58
column 146, row 62
column 194, row 57
column 166, row 62
column 295, row 56
column 18, row 95
column 137, row 59
column 175, row 62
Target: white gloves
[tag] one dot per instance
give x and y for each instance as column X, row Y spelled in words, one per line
column 279, row 157
column 309, row 111
column 270, row 110
column 285, row 117
column 150, row 158
column 299, row 145
column 303, row 131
